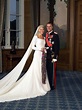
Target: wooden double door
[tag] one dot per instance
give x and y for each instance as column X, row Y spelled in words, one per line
column 78, row 36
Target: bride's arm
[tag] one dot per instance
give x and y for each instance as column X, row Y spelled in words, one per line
column 34, row 45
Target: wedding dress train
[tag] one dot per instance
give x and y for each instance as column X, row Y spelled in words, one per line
column 30, row 84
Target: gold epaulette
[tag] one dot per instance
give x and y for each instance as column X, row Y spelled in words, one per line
column 55, row 32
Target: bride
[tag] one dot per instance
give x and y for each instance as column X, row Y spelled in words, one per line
column 30, row 85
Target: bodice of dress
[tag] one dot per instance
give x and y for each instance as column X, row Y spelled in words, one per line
column 38, row 44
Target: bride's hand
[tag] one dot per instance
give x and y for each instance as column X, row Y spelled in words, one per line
column 42, row 49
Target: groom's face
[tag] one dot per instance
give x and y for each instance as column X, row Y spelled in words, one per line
column 49, row 27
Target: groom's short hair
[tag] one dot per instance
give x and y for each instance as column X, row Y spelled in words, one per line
column 49, row 23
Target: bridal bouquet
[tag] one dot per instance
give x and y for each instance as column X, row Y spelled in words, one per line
column 44, row 71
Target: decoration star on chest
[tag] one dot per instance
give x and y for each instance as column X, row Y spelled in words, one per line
column 50, row 36
column 51, row 41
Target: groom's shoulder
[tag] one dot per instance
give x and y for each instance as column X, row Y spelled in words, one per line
column 55, row 32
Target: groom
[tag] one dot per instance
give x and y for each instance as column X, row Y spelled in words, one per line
column 52, row 45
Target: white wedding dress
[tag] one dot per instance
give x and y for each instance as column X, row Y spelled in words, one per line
column 30, row 85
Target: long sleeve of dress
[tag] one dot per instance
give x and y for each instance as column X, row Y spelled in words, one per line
column 34, row 47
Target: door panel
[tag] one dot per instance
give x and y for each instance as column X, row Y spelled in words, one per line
column 78, row 40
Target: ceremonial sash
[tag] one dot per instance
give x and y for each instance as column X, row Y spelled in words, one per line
column 47, row 41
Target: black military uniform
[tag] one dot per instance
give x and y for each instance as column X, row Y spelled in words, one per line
column 52, row 52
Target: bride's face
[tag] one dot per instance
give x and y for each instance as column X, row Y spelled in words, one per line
column 41, row 30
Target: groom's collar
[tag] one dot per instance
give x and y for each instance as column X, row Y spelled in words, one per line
column 50, row 32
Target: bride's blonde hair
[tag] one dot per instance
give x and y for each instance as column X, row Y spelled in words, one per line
column 40, row 26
